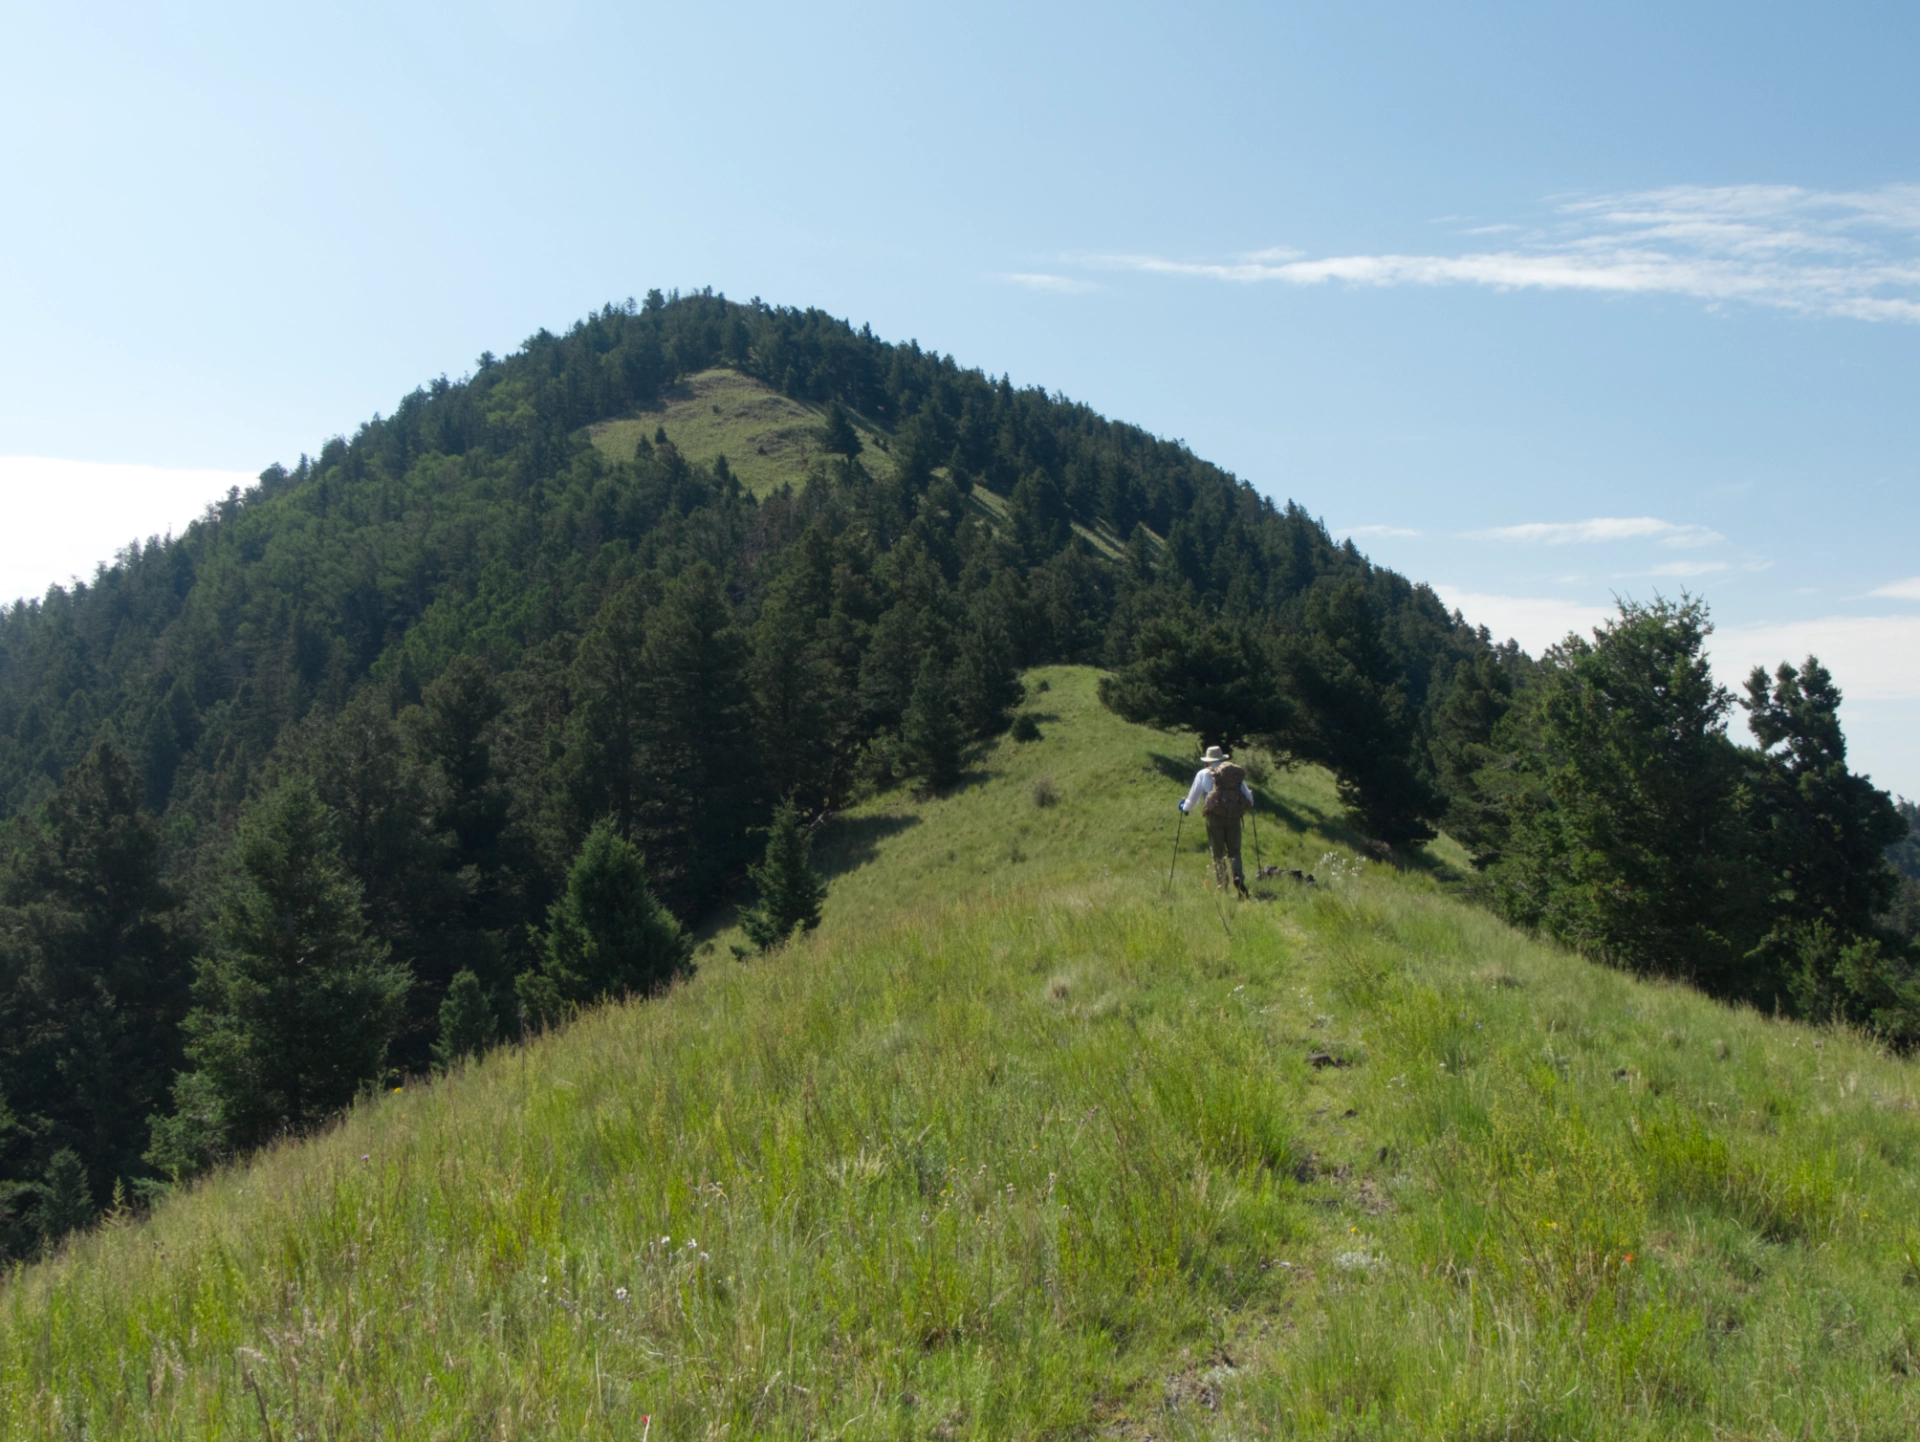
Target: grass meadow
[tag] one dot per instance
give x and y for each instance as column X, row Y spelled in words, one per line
column 1023, row 1142
column 769, row 439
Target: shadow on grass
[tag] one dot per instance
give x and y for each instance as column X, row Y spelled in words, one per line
column 1172, row 768
column 846, row 843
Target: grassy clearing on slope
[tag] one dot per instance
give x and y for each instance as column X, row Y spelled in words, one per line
column 1018, row 1147
column 767, row 438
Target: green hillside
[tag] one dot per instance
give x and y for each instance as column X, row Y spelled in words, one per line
column 1018, row 1144
column 769, row 439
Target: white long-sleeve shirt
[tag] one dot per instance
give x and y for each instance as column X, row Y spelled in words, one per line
column 1203, row 788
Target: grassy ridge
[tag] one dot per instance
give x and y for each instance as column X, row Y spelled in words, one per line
column 1016, row 1146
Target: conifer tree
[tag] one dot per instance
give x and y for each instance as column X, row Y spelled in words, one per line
column 933, row 736
column 1631, row 843
column 701, row 778
column 606, row 936
column 985, row 681
column 837, row 434
column 93, row 971
column 790, row 893
column 66, row 1201
column 1822, row 833
column 1354, row 714
column 295, row 1001
column 467, row 1023
column 794, row 695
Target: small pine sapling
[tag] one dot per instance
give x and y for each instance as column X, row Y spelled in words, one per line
column 467, row 1024
column 790, row 893
column 66, row 1202
column 606, row 936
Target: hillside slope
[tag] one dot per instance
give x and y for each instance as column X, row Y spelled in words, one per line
column 768, row 439
column 1018, row 1144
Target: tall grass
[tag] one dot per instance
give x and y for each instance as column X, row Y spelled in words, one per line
column 1036, row 1148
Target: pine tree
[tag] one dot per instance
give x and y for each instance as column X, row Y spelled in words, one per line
column 611, row 696
column 1355, row 717
column 837, row 435
column 606, row 935
column 296, row 1001
column 790, row 893
column 1630, row 842
column 66, row 1202
column 986, row 683
column 794, row 694
column 933, row 736
column 96, row 970
column 1037, row 517
column 1822, row 833
column 467, row 1023
column 701, row 781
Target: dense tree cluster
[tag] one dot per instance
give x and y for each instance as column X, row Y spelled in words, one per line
column 1598, row 789
column 347, row 779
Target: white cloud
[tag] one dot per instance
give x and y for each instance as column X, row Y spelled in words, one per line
column 1536, row 622
column 1686, row 568
column 1601, row 528
column 1058, row 284
column 1377, row 531
column 1907, row 590
column 1836, row 253
column 63, row 518
column 1874, row 658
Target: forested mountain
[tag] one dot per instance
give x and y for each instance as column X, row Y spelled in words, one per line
column 326, row 765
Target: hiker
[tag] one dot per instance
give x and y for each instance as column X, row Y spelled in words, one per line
column 1221, row 792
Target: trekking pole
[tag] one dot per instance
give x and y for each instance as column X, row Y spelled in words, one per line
column 1254, row 817
column 1176, row 851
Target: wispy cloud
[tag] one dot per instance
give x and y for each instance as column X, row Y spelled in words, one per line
column 1686, row 568
column 1058, row 284
column 1907, row 590
column 1837, row 253
column 1601, row 528
column 1377, row 531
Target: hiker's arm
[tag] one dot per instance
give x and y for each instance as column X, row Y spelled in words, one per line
column 1197, row 794
column 1247, row 791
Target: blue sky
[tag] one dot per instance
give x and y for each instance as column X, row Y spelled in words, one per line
column 1544, row 304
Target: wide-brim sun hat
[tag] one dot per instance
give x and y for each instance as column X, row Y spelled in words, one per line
column 1215, row 755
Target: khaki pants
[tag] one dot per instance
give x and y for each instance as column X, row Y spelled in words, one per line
column 1223, row 835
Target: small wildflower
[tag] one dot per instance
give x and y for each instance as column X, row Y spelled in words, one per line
column 620, row 1293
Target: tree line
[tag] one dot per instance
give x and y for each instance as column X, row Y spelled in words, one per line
column 351, row 779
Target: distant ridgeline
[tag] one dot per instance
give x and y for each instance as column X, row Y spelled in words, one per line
column 391, row 692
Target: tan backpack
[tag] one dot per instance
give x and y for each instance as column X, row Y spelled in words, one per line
column 1226, row 799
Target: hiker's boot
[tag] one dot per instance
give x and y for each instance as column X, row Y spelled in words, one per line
column 1240, row 885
